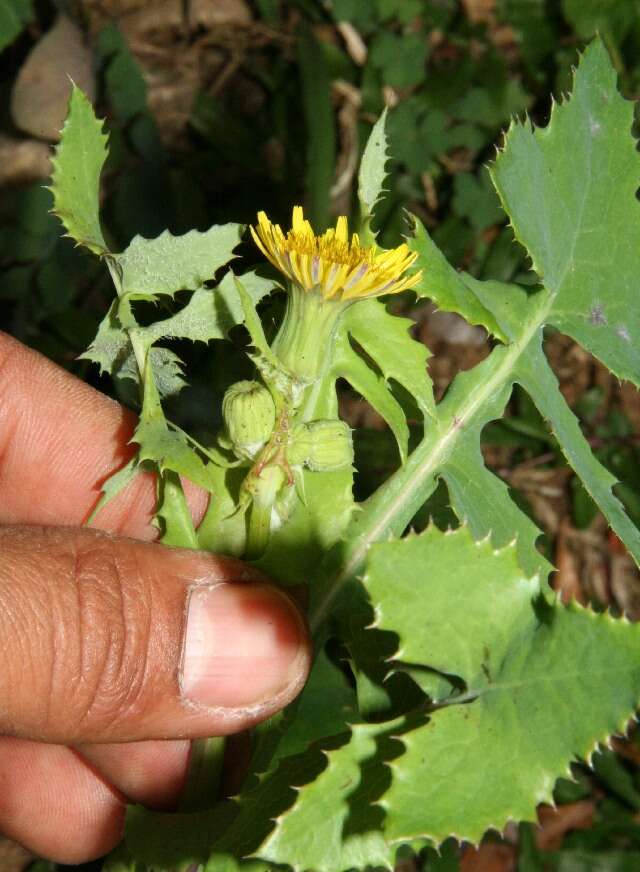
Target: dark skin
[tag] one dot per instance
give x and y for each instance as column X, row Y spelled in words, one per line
column 95, row 708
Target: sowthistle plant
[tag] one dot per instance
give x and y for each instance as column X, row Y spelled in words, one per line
column 458, row 688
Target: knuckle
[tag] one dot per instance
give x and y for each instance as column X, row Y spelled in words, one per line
column 113, row 620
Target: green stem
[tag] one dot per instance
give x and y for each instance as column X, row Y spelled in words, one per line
column 207, row 755
column 304, row 341
column 203, row 777
column 265, row 490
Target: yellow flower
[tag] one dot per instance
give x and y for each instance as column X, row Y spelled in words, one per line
column 333, row 265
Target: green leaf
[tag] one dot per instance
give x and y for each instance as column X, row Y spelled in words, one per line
column 401, row 58
column 372, row 169
column 475, row 199
column 173, row 514
column 387, row 339
column 114, row 485
column 444, row 286
column 168, row 263
column 77, row 164
column 570, row 192
column 348, row 364
column 323, row 709
column 223, row 529
column 112, row 351
column 319, row 832
column 479, row 497
column 544, row 684
column 537, row 378
column 211, row 312
column 306, row 530
column 125, row 86
column 254, row 324
column 14, row 16
column 164, row 444
column 613, row 18
column 111, row 345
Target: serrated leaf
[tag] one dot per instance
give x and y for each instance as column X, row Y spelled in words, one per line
column 570, row 192
column 373, row 169
column 254, row 324
column 168, row 264
column 387, row 340
column 165, row 445
column 544, row 684
column 235, row 828
column 211, row 312
column 111, row 345
column 372, row 385
column 77, row 165
column 513, row 308
column 537, row 378
column 111, row 350
column 319, row 832
column 479, row 497
column 167, row 369
column 444, row 286
column 173, row 515
column 114, row 485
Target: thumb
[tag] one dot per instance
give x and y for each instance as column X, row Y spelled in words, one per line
column 106, row 639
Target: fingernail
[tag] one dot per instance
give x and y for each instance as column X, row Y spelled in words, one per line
column 244, row 644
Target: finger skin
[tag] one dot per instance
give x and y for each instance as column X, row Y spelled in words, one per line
column 150, row 773
column 59, row 441
column 92, row 631
column 54, row 805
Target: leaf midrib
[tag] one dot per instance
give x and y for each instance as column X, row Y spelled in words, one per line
column 429, row 455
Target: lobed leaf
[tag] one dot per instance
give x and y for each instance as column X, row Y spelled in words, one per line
column 211, row 312
column 77, row 165
column 545, row 684
column 168, row 264
column 111, row 345
column 373, row 169
column 387, row 339
column 167, row 446
column 570, row 192
column 327, row 829
column 348, row 364
column 444, row 286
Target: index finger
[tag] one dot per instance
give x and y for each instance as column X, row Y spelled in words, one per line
column 59, row 441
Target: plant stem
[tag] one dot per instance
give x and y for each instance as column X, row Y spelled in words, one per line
column 203, row 776
column 392, row 506
column 303, row 343
column 265, row 488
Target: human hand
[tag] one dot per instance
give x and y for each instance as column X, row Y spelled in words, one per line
column 110, row 644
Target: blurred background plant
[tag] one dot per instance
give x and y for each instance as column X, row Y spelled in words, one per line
column 218, row 109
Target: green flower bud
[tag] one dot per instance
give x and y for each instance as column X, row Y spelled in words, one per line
column 249, row 415
column 322, row 446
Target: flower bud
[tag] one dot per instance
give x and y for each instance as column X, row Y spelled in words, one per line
column 249, row 415
column 322, row 446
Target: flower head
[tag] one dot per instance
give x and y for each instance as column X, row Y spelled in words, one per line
column 337, row 267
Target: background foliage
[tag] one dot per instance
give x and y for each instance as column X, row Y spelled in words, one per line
column 290, row 92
